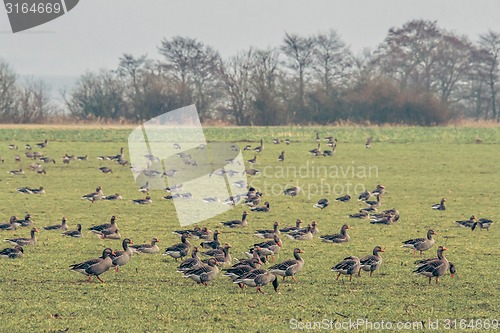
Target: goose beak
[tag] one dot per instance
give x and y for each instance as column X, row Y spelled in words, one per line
column 444, row 248
column 113, row 253
column 301, row 251
column 132, row 242
column 382, row 250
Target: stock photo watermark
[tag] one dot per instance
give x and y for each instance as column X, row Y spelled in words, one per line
column 379, row 325
column 26, row 14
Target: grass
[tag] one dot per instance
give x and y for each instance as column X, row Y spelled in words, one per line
column 40, row 294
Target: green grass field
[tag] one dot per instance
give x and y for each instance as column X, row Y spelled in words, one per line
column 418, row 166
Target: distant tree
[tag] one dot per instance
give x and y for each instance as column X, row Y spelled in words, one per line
column 194, row 66
column 490, row 42
column 299, row 59
column 266, row 86
column 34, row 103
column 331, row 59
column 9, row 94
column 236, row 74
column 98, row 96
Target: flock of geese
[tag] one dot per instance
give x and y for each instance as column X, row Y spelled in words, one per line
column 203, row 262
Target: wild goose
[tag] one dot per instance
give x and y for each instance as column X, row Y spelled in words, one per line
column 13, row 147
column 247, row 147
column 81, row 158
column 452, row 268
column 379, row 190
column 48, row 160
column 223, row 258
column 12, row 252
column 342, row 237
column 144, row 188
column 117, row 157
column 322, row 203
column 112, row 226
column 292, row 191
column 204, row 273
column 467, row 223
column 349, row 266
column 95, row 267
column 253, row 160
column 420, row 244
column 364, row 196
column 387, row 220
column 27, row 146
column 74, row 233
column 112, row 197
column 289, row 267
column 372, row 262
column 439, row 206
column 42, row 144
column 11, row 225
column 368, row 143
column 316, row 150
column 147, row 248
column 298, row 222
column 266, row 208
column 302, row 236
column 317, row 137
column 362, row 214
column 235, row 272
column 281, row 156
column 17, row 172
column 145, row 201
column 266, row 249
column 483, row 223
column 109, row 234
column 276, row 141
column 27, row 190
column 258, row 278
column 287, row 141
column 266, row 233
column 212, row 244
column 122, row 162
column 186, row 232
column 121, row 258
column 62, row 226
column 203, row 233
column 26, row 222
column 434, row 268
column 23, row 241
column 190, row 263
column 237, row 223
column 251, row 172
column 105, row 170
column 260, row 148
column 179, row 250
column 97, row 195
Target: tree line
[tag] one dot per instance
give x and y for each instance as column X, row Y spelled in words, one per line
column 420, row 74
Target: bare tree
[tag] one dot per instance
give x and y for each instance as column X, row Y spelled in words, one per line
column 9, row 93
column 195, row 67
column 267, row 103
column 236, row 75
column 331, row 59
column 299, row 51
column 490, row 42
column 34, row 102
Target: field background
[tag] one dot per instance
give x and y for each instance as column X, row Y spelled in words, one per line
column 418, row 166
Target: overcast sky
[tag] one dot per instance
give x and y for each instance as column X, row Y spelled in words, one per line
column 97, row 32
